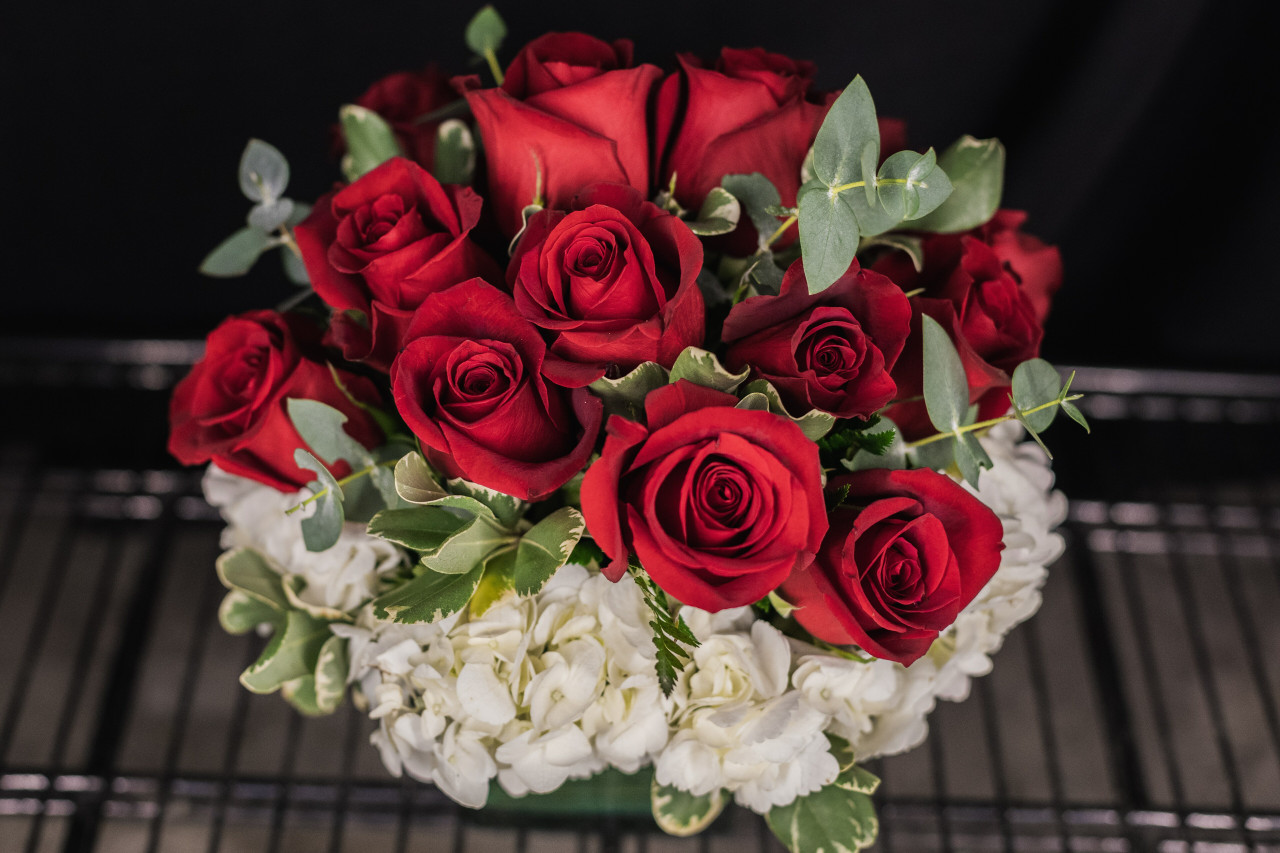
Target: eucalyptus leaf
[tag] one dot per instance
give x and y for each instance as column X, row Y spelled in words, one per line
column 468, row 547
column 321, row 427
column 682, row 814
column 421, row 529
column 240, row 613
column 719, row 214
column 236, row 255
column 486, row 31
column 291, row 653
column 323, row 529
column 829, row 233
column 758, row 197
column 269, row 215
column 264, row 172
column 370, row 141
column 301, row 211
column 975, row 168
column 1035, row 383
column 1075, row 414
column 429, row 597
column 455, row 154
column 294, row 269
column 847, row 133
column 946, row 388
column 703, row 368
column 331, row 674
column 938, row 455
column 912, row 185
column 763, row 273
column 247, row 571
column 545, row 548
column 970, row 457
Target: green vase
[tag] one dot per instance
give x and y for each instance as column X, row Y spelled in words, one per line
column 610, row 793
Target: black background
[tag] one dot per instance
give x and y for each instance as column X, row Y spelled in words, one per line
column 1140, row 137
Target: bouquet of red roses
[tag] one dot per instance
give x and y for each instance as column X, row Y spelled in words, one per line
column 633, row 419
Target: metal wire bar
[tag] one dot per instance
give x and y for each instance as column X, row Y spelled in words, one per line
column 235, row 737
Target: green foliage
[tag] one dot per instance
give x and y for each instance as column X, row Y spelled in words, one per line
column 546, row 547
column 322, row 530
column 703, row 368
column 1035, row 383
column 429, row 597
column 240, row 613
column 912, row 246
column 486, row 31
column 976, row 170
column 670, row 633
column 719, row 214
column 370, row 141
column 839, row 818
column 455, row 154
column 946, row 388
column 760, row 394
column 263, row 176
column 331, row 674
column 264, row 172
column 468, row 547
column 682, row 814
column 849, row 137
column 829, row 234
column 422, row 529
column 625, row 395
column 291, row 654
column 235, row 255
column 759, row 199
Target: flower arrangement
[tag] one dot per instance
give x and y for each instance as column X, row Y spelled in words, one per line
column 631, row 419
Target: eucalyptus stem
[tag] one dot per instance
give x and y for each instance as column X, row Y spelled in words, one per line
column 787, row 223
column 956, row 433
column 856, row 184
column 492, row 59
column 350, row 478
column 286, row 238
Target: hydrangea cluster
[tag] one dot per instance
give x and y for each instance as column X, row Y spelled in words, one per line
column 539, row 690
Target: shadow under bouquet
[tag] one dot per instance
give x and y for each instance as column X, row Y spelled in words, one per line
column 633, row 419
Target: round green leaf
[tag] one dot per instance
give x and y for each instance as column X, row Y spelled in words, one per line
column 1035, row 383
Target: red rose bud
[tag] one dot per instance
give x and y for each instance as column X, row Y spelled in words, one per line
column 382, row 244
column 614, row 282
column 231, row 407
column 831, row 350
column 404, row 97
column 571, row 112
column 719, row 504
column 904, row 555
column 470, row 385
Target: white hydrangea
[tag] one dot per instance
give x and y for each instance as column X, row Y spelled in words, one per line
column 340, row 578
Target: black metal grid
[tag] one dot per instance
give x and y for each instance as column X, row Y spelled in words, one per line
column 1137, row 711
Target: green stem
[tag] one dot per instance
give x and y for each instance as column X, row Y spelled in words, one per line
column 350, row 478
column 492, row 59
column 286, row 238
column 856, row 184
column 956, row 433
column 787, row 223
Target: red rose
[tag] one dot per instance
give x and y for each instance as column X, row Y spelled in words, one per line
column 898, row 569
column 831, row 350
column 570, row 109
column 380, row 245
column 231, row 407
column 1037, row 267
column 719, row 504
column 404, row 97
column 615, row 281
column 469, row 384
column 986, row 310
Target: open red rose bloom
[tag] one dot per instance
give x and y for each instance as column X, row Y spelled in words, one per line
column 710, row 328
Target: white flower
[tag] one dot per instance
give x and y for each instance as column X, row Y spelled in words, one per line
column 539, row 763
column 628, row 723
column 464, row 765
column 572, row 679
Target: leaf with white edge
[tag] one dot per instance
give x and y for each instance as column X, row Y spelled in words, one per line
column 485, row 31
column 912, row 246
column 850, row 125
column 1035, row 383
column 240, row 613
column 719, row 214
column 971, row 458
column 331, row 674
column 235, row 255
column 507, row 509
column 756, row 194
column 429, row 597
column 830, row 820
column 754, row 401
column 301, row 694
column 294, row 585
column 781, row 605
column 814, row 423
column 269, row 215
column 682, row 814
column 264, row 172
column 294, row 269
column 858, row 780
column 1075, row 414
column 545, row 548
column 415, row 481
column 525, row 212
column 246, row 570
column 422, row 529
column 323, row 529
column 497, row 584
column 321, row 427
column 946, row 388
column 975, row 168
column 829, row 233
column 625, row 395
column 455, row 154
column 370, row 141
column 703, row 368
column 467, row 548
column 292, row 653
